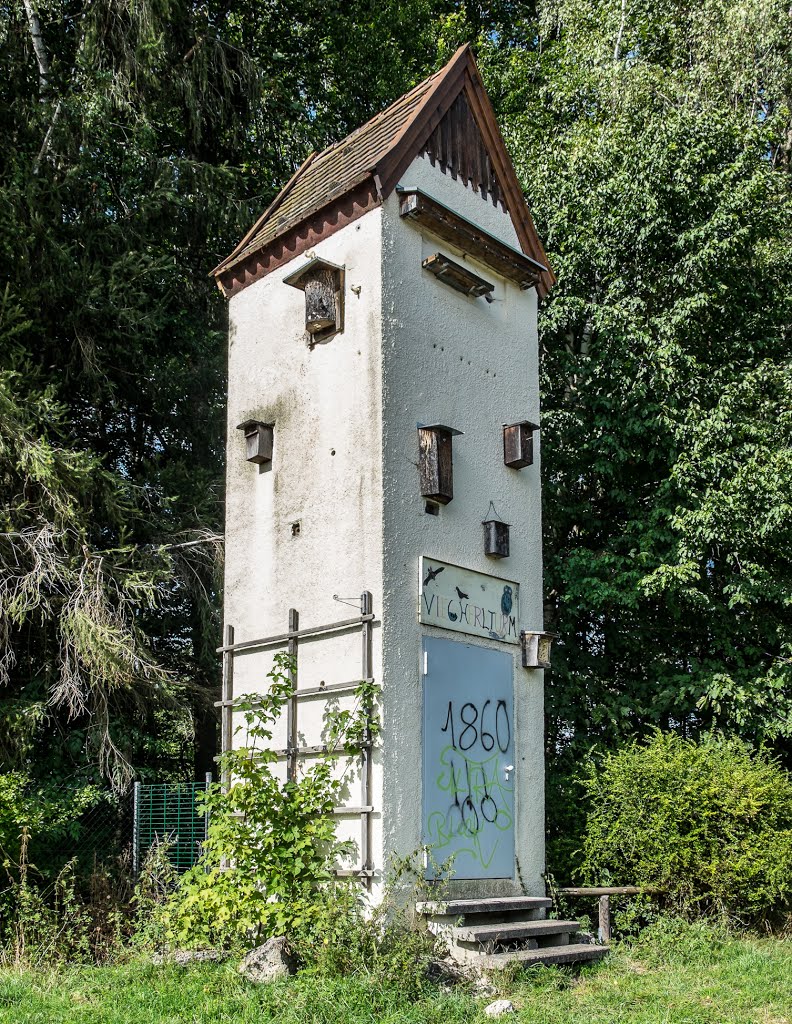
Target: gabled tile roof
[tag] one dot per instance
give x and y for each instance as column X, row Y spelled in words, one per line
column 381, row 150
column 327, row 175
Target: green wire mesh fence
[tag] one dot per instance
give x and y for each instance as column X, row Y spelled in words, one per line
column 79, row 825
column 169, row 813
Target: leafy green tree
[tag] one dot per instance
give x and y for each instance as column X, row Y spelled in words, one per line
column 142, row 139
column 654, row 145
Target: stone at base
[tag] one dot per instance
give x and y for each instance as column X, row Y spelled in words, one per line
column 499, row 1007
column 183, row 957
column 268, row 962
column 445, row 972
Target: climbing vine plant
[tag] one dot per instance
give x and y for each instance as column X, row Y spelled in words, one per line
column 271, row 843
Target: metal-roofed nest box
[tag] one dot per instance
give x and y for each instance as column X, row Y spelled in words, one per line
column 435, row 461
column 323, row 285
column 258, row 441
column 457, row 276
column 518, row 444
column 496, row 538
column 535, row 649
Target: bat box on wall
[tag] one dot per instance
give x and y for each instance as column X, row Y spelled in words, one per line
column 518, row 444
column 435, row 462
column 458, row 277
column 535, row 649
column 258, row 441
column 496, row 538
column 323, row 285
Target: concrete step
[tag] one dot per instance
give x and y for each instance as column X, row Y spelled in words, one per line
column 489, row 933
column 494, row 905
column 575, row 953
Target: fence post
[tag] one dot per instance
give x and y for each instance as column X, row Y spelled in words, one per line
column 291, row 714
column 136, row 830
column 208, row 783
column 226, row 734
column 366, row 606
column 604, row 919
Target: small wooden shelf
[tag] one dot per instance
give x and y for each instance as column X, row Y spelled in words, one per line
column 430, row 215
column 457, row 276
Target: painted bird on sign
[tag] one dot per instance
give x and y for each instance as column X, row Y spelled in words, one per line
column 433, row 574
column 461, row 595
column 506, row 600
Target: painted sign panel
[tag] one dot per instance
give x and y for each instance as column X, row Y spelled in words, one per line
column 468, row 759
column 468, row 601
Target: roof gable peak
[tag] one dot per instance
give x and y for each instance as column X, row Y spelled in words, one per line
column 448, row 116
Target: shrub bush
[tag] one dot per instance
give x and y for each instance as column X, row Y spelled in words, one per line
column 709, row 823
column 270, row 844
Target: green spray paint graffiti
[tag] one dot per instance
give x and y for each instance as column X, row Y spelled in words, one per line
column 468, row 747
column 478, row 808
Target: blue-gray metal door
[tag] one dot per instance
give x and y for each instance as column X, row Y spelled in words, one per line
column 468, row 761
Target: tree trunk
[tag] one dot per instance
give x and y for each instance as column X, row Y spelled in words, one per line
column 38, row 48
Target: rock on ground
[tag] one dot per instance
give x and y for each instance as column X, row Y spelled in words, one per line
column 498, row 1008
column 445, row 973
column 182, row 957
column 268, row 962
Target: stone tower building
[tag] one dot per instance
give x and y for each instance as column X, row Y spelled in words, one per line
column 382, row 441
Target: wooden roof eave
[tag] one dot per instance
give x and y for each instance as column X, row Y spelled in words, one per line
column 229, row 261
column 326, row 203
column 321, row 221
column 515, row 199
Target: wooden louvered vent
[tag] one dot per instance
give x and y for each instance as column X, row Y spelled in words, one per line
column 456, row 144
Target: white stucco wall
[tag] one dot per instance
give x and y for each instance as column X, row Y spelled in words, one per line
column 472, row 365
column 326, row 474
column 345, row 466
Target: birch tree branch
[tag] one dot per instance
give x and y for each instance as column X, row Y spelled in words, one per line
column 45, row 145
column 617, row 47
column 38, row 48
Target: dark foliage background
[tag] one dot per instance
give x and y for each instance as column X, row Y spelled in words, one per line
column 141, row 139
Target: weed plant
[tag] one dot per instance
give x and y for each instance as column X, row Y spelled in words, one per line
column 55, row 922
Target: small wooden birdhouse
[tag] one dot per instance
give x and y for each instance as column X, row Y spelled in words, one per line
column 496, row 538
column 258, row 441
column 435, row 462
column 323, row 285
column 518, row 444
column 536, row 649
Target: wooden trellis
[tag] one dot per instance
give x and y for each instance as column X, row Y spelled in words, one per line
column 293, row 751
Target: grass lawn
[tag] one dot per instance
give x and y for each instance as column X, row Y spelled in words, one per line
column 663, row 982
